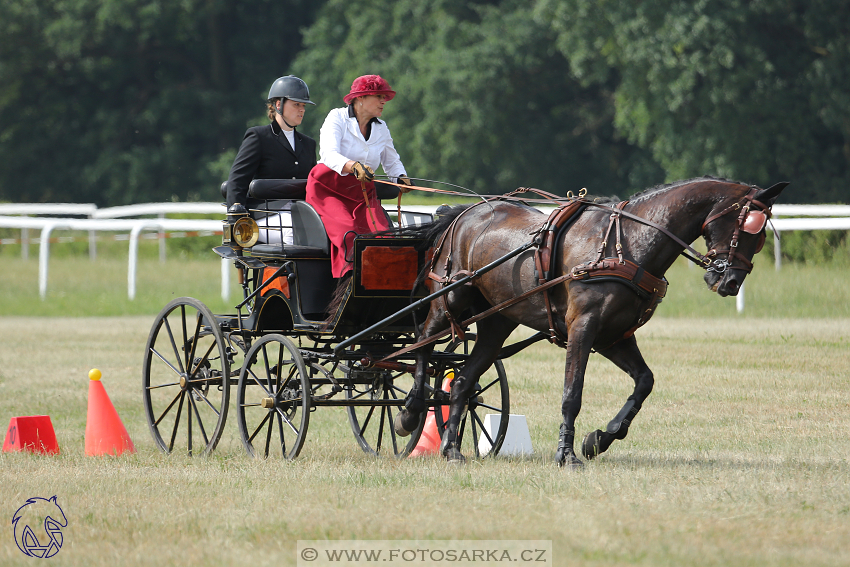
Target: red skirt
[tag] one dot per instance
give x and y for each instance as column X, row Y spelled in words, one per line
column 339, row 201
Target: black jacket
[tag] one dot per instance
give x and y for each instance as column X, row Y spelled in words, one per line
column 265, row 154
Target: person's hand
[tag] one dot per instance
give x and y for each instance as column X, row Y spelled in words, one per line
column 404, row 180
column 362, row 172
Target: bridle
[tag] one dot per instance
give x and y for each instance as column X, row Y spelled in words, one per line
column 751, row 220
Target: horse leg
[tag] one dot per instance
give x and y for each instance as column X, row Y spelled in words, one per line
column 491, row 336
column 580, row 340
column 407, row 420
column 628, row 358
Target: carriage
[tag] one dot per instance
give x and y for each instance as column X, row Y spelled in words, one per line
column 586, row 278
column 279, row 351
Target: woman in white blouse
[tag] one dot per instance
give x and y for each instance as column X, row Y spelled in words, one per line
column 353, row 143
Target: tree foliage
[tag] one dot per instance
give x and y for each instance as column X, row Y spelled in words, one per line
column 121, row 101
column 755, row 90
column 485, row 100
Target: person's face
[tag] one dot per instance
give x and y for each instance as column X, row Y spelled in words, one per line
column 371, row 106
column 293, row 112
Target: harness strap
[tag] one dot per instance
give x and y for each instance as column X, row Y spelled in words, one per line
column 368, row 206
column 609, row 269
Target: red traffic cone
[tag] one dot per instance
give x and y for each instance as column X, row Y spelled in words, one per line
column 33, row 433
column 429, row 441
column 105, row 434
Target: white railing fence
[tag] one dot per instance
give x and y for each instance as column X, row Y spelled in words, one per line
column 16, row 215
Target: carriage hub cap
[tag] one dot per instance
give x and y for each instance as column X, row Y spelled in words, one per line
column 184, row 382
column 267, row 403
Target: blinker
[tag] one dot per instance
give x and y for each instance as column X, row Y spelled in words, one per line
column 754, row 223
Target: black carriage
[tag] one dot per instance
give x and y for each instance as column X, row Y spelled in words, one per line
column 287, row 357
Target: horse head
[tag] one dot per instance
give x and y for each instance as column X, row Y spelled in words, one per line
column 734, row 235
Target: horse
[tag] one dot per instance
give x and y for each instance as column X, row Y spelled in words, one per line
column 605, row 272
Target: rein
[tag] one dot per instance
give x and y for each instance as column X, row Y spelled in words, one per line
column 645, row 284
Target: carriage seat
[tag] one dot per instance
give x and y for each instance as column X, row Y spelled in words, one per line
column 308, row 233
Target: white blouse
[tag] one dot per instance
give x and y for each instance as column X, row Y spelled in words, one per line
column 340, row 140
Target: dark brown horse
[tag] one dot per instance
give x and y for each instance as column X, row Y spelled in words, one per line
column 592, row 309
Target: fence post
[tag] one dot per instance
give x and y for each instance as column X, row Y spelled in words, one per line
column 44, row 259
column 161, row 238
column 92, row 243
column 25, row 243
column 133, row 260
column 739, row 299
column 777, row 251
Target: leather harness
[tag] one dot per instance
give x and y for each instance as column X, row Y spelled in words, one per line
column 648, row 287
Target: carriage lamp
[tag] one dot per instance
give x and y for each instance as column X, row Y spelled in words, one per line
column 239, row 230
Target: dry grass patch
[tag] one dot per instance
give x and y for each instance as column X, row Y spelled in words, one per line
column 739, row 458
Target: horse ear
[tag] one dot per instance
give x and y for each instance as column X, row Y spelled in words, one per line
column 769, row 195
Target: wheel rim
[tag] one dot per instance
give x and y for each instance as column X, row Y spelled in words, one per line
column 273, row 399
column 186, row 378
column 373, row 426
column 491, row 396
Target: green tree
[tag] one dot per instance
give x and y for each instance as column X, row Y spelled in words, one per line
column 122, row 101
column 753, row 90
column 485, row 100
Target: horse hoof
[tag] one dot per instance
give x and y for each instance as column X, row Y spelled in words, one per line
column 404, row 423
column 590, row 447
column 454, row 457
column 571, row 462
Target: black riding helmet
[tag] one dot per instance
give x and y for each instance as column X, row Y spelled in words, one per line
column 292, row 88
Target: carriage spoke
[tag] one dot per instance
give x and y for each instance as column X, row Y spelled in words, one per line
column 198, row 416
column 259, row 427
column 258, row 382
column 392, row 430
column 189, row 420
column 381, row 429
column 195, row 337
column 173, row 346
column 268, row 438
column 488, row 386
column 282, row 438
column 162, row 358
column 366, row 421
column 499, row 410
column 204, row 398
column 288, row 422
column 483, row 430
column 176, row 421
column 166, row 385
column 283, row 383
column 205, row 358
column 177, row 397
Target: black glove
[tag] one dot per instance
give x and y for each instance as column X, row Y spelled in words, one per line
column 362, row 172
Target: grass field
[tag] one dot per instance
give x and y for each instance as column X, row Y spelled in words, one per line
column 739, row 457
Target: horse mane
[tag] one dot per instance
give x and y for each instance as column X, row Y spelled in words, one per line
column 652, row 191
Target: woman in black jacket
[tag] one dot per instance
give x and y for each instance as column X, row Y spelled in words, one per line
column 276, row 150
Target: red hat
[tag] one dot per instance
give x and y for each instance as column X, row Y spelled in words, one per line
column 369, row 85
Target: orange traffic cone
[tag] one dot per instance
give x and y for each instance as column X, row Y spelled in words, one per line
column 429, row 441
column 105, row 434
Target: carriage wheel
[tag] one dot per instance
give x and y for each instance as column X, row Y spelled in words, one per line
column 186, row 378
column 491, row 396
column 372, row 425
column 273, row 399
